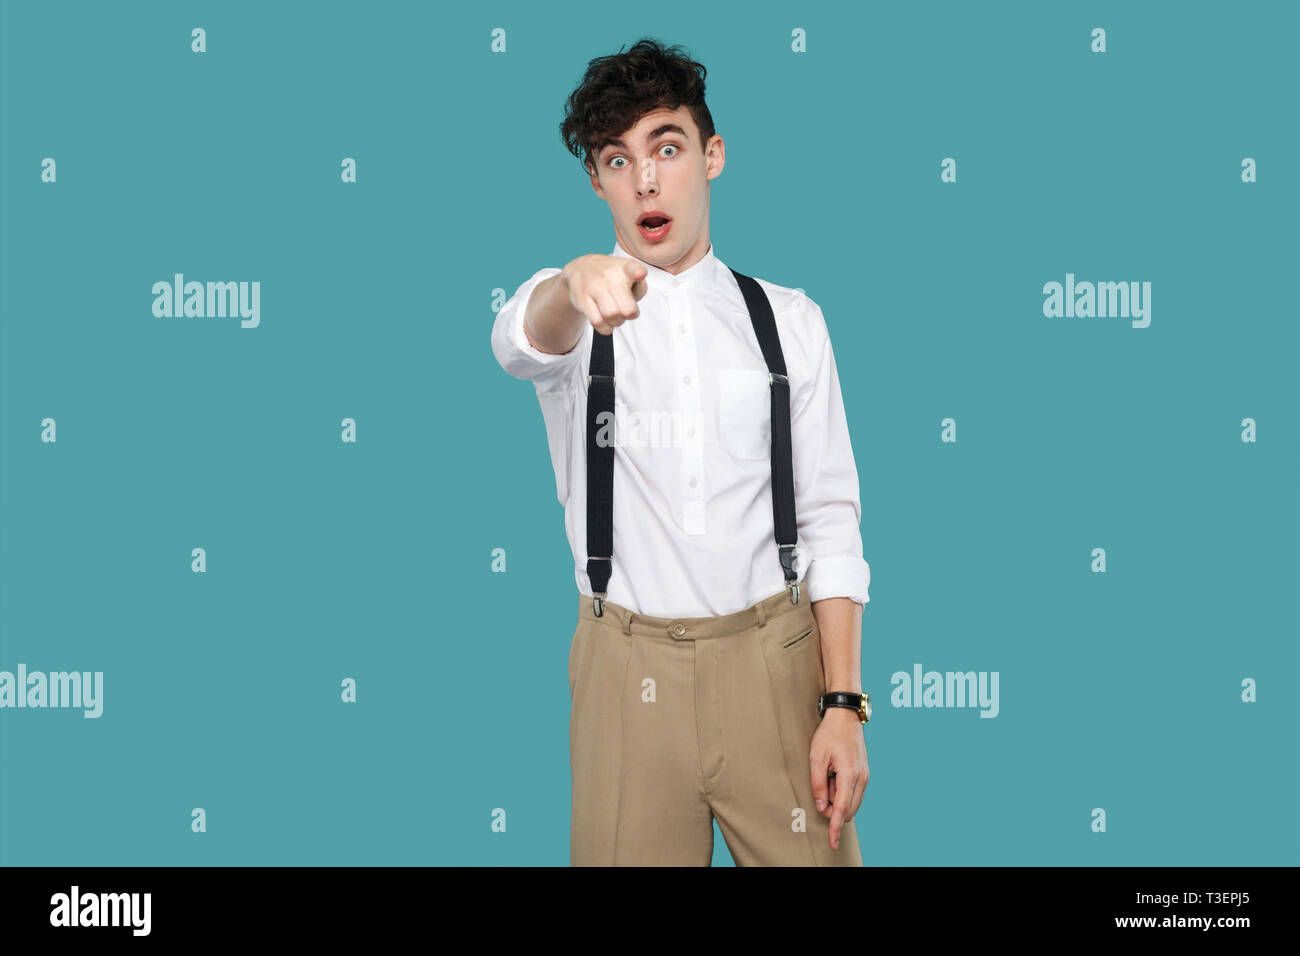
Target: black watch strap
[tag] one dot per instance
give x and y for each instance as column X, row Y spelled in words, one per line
column 852, row 701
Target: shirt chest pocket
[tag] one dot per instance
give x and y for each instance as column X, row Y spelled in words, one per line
column 745, row 413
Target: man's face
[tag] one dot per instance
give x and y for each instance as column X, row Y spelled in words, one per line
column 658, row 166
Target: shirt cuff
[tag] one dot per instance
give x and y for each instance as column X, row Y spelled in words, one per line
column 838, row 576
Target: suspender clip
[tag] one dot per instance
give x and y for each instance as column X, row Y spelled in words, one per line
column 774, row 377
column 598, row 580
column 786, row 553
column 604, row 379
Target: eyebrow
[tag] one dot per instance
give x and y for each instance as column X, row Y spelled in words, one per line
column 654, row 135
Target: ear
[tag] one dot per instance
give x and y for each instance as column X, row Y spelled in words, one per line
column 717, row 153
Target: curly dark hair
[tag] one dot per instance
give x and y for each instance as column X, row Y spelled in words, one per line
column 619, row 89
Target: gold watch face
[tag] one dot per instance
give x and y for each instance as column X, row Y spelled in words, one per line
column 864, row 708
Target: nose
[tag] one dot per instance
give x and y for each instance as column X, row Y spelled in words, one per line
column 646, row 184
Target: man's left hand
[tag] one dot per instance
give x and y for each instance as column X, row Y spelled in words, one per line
column 838, row 759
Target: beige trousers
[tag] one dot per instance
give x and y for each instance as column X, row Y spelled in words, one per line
column 676, row 721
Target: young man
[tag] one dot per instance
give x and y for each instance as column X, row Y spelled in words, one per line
column 697, row 411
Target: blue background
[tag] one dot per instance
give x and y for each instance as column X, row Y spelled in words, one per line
column 326, row 560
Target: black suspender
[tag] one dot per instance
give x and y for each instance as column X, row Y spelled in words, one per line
column 600, row 448
column 600, row 466
column 783, row 520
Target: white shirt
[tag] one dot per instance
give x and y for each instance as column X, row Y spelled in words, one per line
column 693, row 529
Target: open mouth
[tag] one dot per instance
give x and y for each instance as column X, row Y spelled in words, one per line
column 654, row 224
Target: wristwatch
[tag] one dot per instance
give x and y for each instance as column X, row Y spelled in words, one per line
column 859, row 702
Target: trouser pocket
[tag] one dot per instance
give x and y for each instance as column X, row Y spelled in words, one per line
column 794, row 664
column 574, row 645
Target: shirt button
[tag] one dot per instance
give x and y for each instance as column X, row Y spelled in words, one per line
column 681, row 328
column 686, row 379
column 693, row 482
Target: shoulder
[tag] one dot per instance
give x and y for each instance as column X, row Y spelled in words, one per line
column 791, row 305
column 798, row 317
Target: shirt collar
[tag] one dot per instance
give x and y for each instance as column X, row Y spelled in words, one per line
column 690, row 278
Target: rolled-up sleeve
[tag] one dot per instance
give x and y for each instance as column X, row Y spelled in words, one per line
column 516, row 354
column 827, row 496
column 555, row 376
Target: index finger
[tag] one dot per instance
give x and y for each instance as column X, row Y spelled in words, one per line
column 837, row 815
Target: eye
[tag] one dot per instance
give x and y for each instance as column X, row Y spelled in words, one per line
column 611, row 162
column 670, row 146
